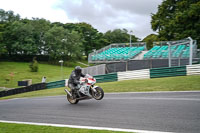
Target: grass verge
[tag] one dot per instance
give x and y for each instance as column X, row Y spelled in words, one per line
column 181, row 83
column 24, row 128
column 11, row 72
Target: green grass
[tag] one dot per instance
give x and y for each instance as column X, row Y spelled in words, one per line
column 21, row 72
column 24, row 128
column 181, row 83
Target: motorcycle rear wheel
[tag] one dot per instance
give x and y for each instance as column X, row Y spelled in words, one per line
column 99, row 94
column 71, row 100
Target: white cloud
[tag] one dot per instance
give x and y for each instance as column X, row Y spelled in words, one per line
column 36, row 8
column 103, row 15
column 111, row 14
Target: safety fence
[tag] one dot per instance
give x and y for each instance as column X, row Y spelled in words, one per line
column 167, row 72
column 137, row 74
column 150, row 73
column 34, row 87
column 55, row 84
column 106, row 77
column 193, row 69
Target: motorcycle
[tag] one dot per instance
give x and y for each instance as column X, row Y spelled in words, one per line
column 87, row 90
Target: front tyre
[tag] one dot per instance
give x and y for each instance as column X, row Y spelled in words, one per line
column 99, row 94
column 71, row 100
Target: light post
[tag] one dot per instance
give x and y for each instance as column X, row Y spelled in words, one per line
column 61, row 69
column 130, row 37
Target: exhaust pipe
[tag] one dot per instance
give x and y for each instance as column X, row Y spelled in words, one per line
column 68, row 92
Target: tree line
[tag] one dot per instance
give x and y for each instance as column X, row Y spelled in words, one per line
column 174, row 20
column 41, row 37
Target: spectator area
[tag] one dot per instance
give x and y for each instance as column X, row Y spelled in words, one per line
column 178, row 51
column 118, row 53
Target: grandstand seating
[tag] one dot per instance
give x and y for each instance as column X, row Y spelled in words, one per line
column 118, row 53
column 162, row 52
column 186, row 53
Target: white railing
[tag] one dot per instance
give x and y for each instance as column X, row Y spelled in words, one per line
column 193, row 69
column 137, row 74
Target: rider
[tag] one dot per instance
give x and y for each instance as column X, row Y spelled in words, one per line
column 74, row 83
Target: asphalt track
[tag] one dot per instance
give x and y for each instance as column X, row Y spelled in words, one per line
column 157, row 111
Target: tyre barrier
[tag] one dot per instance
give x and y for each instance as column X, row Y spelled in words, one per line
column 34, row 87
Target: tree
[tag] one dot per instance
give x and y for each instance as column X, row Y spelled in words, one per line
column 19, row 38
column 34, row 65
column 6, row 19
column 118, row 36
column 40, row 27
column 2, row 44
column 150, row 39
column 59, row 43
column 8, row 16
column 177, row 19
column 90, row 37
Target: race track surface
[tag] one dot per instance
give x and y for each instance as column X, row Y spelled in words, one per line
column 156, row 111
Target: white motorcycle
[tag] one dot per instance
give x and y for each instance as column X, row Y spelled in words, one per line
column 87, row 90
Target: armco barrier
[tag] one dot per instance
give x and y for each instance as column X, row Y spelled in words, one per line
column 137, row 74
column 193, row 69
column 106, row 77
column 56, row 84
column 167, row 72
column 33, row 87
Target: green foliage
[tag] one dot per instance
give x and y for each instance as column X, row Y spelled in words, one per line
column 59, row 41
column 118, row 36
column 177, row 19
column 34, row 65
column 90, row 37
column 150, row 39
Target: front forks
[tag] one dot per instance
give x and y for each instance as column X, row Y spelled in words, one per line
column 68, row 92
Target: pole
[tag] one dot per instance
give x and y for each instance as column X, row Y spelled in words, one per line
column 169, row 54
column 191, row 52
column 130, row 37
column 61, row 68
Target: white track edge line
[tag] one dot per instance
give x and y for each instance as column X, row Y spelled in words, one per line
column 83, row 127
column 151, row 92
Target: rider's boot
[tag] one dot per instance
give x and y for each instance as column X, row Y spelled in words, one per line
column 73, row 94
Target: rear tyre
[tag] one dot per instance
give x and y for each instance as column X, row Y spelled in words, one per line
column 71, row 100
column 99, row 94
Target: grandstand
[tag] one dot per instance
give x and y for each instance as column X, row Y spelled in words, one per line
column 117, row 52
column 123, row 52
column 126, row 57
column 179, row 49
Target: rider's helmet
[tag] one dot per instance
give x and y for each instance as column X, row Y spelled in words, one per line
column 78, row 70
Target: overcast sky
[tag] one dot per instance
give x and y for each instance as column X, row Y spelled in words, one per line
column 103, row 15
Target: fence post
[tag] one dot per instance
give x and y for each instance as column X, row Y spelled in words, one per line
column 191, row 42
column 169, row 54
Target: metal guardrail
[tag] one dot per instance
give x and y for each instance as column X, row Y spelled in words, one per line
column 106, row 77
column 55, row 84
column 168, row 72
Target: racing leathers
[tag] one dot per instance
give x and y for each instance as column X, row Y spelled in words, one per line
column 73, row 82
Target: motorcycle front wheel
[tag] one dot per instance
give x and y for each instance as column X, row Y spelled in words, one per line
column 99, row 94
column 71, row 100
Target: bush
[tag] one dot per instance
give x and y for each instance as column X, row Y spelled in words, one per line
column 34, row 65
